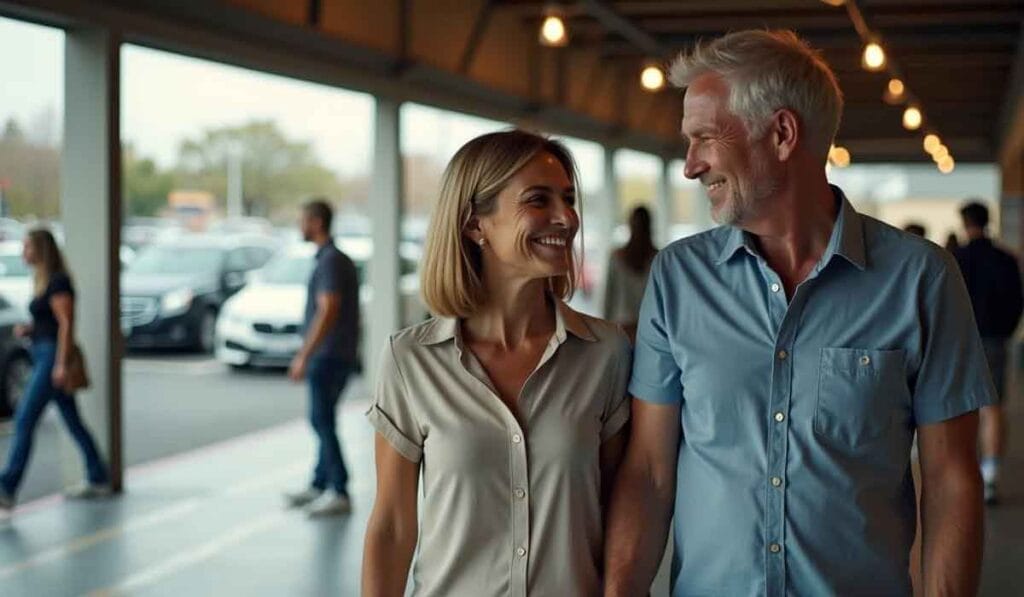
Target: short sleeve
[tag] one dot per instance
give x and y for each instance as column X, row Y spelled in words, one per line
column 329, row 274
column 391, row 413
column 655, row 376
column 616, row 412
column 59, row 284
column 952, row 377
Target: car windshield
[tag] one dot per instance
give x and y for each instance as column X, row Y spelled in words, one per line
column 288, row 269
column 12, row 266
column 178, row 260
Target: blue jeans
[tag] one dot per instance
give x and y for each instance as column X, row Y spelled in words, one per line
column 38, row 394
column 327, row 379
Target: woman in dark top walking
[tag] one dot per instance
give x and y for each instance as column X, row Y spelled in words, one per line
column 52, row 335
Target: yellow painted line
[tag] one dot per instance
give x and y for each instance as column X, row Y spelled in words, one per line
column 193, row 555
column 147, row 521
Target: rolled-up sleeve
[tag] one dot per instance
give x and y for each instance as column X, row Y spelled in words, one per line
column 392, row 411
column 952, row 377
column 655, row 376
column 616, row 412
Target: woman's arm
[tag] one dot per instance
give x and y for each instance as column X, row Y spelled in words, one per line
column 63, row 306
column 392, row 531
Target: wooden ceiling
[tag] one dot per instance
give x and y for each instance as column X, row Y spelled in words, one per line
column 958, row 58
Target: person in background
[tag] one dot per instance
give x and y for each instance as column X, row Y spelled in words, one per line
column 52, row 336
column 952, row 242
column 916, row 229
column 993, row 281
column 627, row 273
column 326, row 359
column 509, row 406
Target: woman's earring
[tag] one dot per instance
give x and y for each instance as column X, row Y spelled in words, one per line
column 482, row 241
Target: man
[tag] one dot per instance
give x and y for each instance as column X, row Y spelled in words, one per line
column 993, row 281
column 785, row 360
column 327, row 357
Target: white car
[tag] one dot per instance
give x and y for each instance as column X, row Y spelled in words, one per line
column 262, row 324
column 15, row 277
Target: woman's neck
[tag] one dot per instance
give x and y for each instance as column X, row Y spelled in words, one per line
column 516, row 311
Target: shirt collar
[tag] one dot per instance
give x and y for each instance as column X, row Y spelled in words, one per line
column 325, row 247
column 847, row 239
column 567, row 320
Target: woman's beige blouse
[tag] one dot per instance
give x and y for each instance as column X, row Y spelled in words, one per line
column 511, row 500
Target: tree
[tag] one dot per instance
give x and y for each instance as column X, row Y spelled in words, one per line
column 277, row 173
column 145, row 186
column 32, row 171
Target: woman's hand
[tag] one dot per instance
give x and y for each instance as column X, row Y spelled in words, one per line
column 59, row 376
column 22, row 330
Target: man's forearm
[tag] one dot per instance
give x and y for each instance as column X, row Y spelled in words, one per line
column 953, row 522
column 637, row 529
column 322, row 322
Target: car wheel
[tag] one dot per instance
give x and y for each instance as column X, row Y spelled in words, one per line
column 206, row 337
column 15, row 379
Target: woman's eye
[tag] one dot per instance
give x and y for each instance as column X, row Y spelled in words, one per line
column 570, row 201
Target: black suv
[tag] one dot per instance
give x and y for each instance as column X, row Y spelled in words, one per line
column 171, row 293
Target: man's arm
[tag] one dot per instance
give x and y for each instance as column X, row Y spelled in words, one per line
column 641, row 503
column 951, row 506
column 328, row 305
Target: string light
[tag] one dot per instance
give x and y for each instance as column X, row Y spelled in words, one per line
column 552, row 31
column 652, row 79
column 912, row 118
column 931, row 142
column 874, row 57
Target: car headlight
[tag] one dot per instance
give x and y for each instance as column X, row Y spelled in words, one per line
column 176, row 301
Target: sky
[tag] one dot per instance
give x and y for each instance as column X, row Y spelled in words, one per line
column 167, row 98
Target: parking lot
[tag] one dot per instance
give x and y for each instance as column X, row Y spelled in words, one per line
column 174, row 403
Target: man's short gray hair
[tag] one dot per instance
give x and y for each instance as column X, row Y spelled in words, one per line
column 767, row 71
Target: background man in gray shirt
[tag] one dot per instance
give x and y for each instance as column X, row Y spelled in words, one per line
column 327, row 357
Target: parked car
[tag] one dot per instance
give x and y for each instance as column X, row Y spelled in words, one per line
column 15, row 361
column 173, row 290
column 261, row 325
column 15, row 276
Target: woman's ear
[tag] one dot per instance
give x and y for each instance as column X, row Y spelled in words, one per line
column 473, row 230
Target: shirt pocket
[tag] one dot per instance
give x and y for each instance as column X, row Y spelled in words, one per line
column 859, row 392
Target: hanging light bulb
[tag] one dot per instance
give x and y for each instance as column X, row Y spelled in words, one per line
column 931, row 142
column 839, row 156
column 874, row 57
column 912, row 118
column 941, row 152
column 651, row 78
column 946, row 164
column 834, row 2
column 552, row 30
column 894, row 91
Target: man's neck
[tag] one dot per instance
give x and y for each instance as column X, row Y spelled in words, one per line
column 795, row 231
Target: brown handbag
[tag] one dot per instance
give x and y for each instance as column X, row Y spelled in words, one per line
column 76, row 375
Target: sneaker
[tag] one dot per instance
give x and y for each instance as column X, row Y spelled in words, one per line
column 302, row 498
column 88, row 491
column 991, row 494
column 335, row 505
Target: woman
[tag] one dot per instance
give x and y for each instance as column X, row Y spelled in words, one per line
column 627, row 273
column 52, row 335
column 511, row 404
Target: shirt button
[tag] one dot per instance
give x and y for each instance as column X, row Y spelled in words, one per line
column 779, row 417
column 782, row 355
column 775, row 548
column 520, row 493
column 775, row 287
column 865, row 360
column 776, row 482
column 516, row 438
column 521, row 552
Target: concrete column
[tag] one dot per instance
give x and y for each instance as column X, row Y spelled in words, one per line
column 385, row 311
column 666, row 203
column 91, row 211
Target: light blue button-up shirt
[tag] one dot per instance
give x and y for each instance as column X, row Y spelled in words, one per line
column 798, row 418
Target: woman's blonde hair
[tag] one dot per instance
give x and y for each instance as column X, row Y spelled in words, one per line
column 49, row 260
column 451, row 276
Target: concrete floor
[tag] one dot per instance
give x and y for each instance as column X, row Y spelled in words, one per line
column 211, row 522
